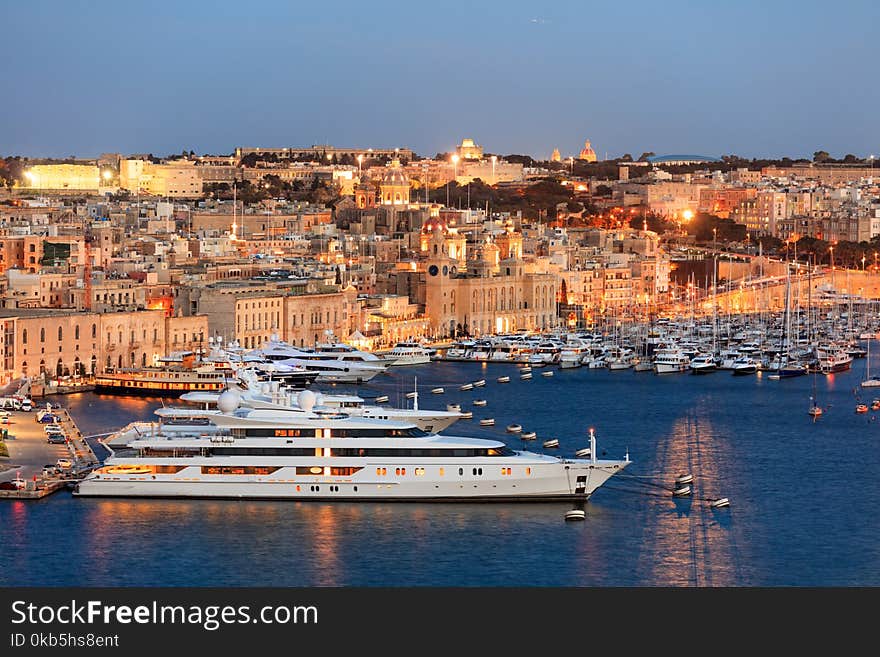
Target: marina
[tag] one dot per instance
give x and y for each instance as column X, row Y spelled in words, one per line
column 682, row 426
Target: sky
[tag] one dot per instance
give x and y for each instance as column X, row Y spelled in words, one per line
column 755, row 78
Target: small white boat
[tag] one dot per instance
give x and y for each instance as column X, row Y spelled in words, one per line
column 453, row 408
column 576, row 514
column 466, row 415
column 514, row 428
column 528, row 435
column 437, row 391
column 467, row 386
column 411, row 395
column 681, row 480
column 681, row 491
column 526, row 369
column 526, row 376
column 381, row 399
column 551, row 444
column 719, row 503
column 480, row 383
column 487, row 422
column 547, row 373
column 479, row 402
column 583, row 453
column 503, row 379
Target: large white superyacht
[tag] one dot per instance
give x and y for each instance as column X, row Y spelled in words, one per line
column 337, row 366
column 310, row 456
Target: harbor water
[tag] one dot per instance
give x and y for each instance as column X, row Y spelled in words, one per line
column 803, row 496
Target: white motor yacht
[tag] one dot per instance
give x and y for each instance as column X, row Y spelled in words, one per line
column 306, row 455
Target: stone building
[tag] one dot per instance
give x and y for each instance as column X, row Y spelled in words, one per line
column 54, row 343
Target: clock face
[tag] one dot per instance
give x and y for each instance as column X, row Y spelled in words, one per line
column 445, row 270
column 433, row 270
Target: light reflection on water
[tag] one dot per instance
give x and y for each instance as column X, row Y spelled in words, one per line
column 799, row 493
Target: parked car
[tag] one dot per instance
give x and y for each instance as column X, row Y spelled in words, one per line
column 64, row 464
column 49, row 471
column 56, row 439
column 27, row 405
column 48, row 418
column 53, row 428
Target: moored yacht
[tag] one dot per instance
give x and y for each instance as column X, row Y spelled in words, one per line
column 671, row 360
column 333, row 367
column 703, row 364
column 407, row 353
column 305, row 455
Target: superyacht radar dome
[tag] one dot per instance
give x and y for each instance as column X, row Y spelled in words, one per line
column 228, row 401
column 306, row 400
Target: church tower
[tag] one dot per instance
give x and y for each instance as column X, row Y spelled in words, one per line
column 440, row 284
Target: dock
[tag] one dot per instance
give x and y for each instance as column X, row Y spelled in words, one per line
column 29, row 451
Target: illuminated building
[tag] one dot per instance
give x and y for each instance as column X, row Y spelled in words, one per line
column 394, row 186
column 180, row 179
column 556, row 157
column 468, row 150
column 587, row 153
column 74, row 177
column 491, row 297
column 64, row 342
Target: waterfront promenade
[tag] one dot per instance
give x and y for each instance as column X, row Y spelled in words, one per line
column 29, row 451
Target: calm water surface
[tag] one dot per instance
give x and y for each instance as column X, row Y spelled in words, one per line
column 803, row 498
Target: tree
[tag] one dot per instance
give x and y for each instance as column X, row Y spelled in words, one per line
column 603, row 190
column 849, row 158
column 626, row 158
column 821, row 156
column 644, row 156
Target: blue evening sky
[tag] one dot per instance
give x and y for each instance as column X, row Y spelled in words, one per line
column 752, row 77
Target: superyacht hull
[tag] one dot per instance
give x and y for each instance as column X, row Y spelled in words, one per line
column 561, row 480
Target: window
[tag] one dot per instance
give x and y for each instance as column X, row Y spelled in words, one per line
column 420, row 472
column 24, row 336
column 76, row 332
column 60, row 334
column 42, row 335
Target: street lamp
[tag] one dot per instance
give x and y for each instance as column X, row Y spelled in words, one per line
column 455, row 176
column 863, row 263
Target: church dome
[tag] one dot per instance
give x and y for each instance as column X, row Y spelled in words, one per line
column 395, row 175
column 587, row 153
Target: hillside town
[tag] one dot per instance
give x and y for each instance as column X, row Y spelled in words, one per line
column 119, row 261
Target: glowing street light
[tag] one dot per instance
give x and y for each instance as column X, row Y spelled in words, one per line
column 107, row 175
column 454, row 159
column 687, row 215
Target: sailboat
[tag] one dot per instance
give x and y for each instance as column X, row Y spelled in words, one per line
column 870, row 381
column 815, row 410
column 782, row 366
